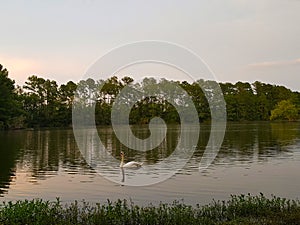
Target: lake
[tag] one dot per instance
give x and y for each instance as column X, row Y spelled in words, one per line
column 254, row 157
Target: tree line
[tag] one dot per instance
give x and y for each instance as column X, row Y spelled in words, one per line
column 43, row 103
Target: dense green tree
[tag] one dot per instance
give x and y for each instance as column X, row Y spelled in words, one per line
column 198, row 97
column 284, row 110
column 126, row 80
column 34, row 100
column 230, row 91
column 111, row 88
column 244, row 101
column 66, row 93
column 268, row 96
column 43, row 103
column 65, row 99
column 246, row 107
column 10, row 108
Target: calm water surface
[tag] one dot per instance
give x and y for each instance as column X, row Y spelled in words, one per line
column 254, row 158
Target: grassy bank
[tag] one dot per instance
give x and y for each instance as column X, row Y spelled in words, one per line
column 238, row 210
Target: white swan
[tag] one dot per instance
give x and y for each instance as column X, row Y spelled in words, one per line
column 131, row 164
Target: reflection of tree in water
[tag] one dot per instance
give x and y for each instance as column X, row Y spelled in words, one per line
column 10, row 143
column 239, row 143
column 286, row 132
column 247, row 142
column 39, row 154
column 111, row 142
column 243, row 143
column 45, row 152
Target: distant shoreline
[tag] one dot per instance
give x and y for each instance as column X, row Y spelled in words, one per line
column 43, row 103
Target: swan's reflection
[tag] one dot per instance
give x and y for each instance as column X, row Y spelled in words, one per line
column 123, row 174
column 123, row 170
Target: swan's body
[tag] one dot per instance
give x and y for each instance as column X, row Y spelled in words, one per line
column 131, row 164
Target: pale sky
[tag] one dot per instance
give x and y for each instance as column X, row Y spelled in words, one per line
column 241, row 40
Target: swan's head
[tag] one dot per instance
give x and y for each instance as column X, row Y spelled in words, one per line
column 122, row 153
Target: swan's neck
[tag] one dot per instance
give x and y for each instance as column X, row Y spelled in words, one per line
column 122, row 161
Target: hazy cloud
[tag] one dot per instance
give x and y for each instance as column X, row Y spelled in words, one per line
column 270, row 64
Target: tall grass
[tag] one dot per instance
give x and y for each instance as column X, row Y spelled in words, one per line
column 242, row 209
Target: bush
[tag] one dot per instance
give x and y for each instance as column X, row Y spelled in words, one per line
column 242, row 209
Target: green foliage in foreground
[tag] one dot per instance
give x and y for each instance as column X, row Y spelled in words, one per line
column 243, row 209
